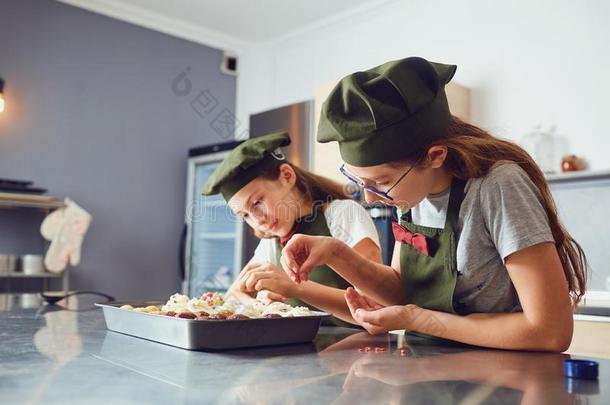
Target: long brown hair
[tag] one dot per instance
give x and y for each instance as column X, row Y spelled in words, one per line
column 315, row 189
column 472, row 152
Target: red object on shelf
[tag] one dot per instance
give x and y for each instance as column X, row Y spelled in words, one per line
column 572, row 163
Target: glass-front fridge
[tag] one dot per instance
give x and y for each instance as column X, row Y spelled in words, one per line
column 212, row 246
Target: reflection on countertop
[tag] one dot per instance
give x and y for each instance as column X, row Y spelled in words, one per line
column 50, row 355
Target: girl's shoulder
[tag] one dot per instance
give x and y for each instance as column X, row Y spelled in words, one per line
column 342, row 207
column 504, row 174
column 506, row 187
column 349, row 221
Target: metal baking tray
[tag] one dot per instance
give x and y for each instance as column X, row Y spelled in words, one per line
column 194, row 334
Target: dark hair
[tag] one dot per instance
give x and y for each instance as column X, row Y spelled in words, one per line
column 473, row 151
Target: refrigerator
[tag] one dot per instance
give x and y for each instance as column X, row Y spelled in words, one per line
column 211, row 241
column 215, row 245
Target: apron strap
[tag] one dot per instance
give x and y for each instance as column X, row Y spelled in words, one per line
column 455, row 201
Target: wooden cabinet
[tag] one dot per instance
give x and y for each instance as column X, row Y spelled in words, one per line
column 591, row 339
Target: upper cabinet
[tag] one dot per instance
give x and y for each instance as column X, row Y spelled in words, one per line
column 459, row 100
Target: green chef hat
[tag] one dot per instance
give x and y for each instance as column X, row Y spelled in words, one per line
column 246, row 162
column 387, row 113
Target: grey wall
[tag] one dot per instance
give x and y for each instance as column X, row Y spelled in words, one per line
column 91, row 114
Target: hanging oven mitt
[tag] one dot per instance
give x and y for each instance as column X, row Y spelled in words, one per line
column 65, row 228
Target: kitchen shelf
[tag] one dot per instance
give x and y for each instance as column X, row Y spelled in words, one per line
column 578, row 176
column 23, row 204
column 23, row 275
column 20, row 200
column 46, row 203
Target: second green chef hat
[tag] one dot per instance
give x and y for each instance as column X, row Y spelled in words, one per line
column 387, row 113
column 246, row 162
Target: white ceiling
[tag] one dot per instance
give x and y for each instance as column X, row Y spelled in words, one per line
column 236, row 22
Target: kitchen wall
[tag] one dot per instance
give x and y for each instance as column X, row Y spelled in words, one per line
column 527, row 62
column 92, row 114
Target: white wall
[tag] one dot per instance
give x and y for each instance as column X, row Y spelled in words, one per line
column 525, row 61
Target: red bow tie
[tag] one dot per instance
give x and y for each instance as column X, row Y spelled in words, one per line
column 417, row 240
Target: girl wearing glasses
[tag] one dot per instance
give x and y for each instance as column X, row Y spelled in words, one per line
column 278, row 200
column 481, row 257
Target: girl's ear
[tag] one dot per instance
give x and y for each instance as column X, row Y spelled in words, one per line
column 288, row 176
column 437, row 155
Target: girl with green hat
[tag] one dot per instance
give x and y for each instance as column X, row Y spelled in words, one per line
column 481, row 256
column 278, row 199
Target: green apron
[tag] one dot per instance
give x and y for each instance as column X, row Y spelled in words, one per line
column 315, row 225
column 429, row 281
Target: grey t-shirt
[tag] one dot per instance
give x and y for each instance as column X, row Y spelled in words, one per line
column 501, row 213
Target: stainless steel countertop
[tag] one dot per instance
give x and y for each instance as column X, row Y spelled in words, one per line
column 65, row 356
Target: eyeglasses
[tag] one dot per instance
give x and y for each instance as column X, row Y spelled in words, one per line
column 385, row 194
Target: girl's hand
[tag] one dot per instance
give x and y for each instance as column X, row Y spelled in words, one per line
column 374, row 317
column 303, row 253
column 259, row 277
column 267, row 297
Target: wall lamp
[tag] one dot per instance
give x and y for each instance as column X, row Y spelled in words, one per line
column 1, row 95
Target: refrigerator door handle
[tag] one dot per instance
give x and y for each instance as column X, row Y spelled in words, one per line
column 181, row 258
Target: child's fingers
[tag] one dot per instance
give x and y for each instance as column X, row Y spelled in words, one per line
column 276, row 297
column 361, row 315
column 286, row 267
column 249, row 281
column 248, row 269
column 351, row 297
column 294, row 250
column 360, row 299
column 262, row 284
column 288, row 252
column 308, row 266
column 254, row 277
column 371, row 304
column 352, row 302
column 289, row 262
